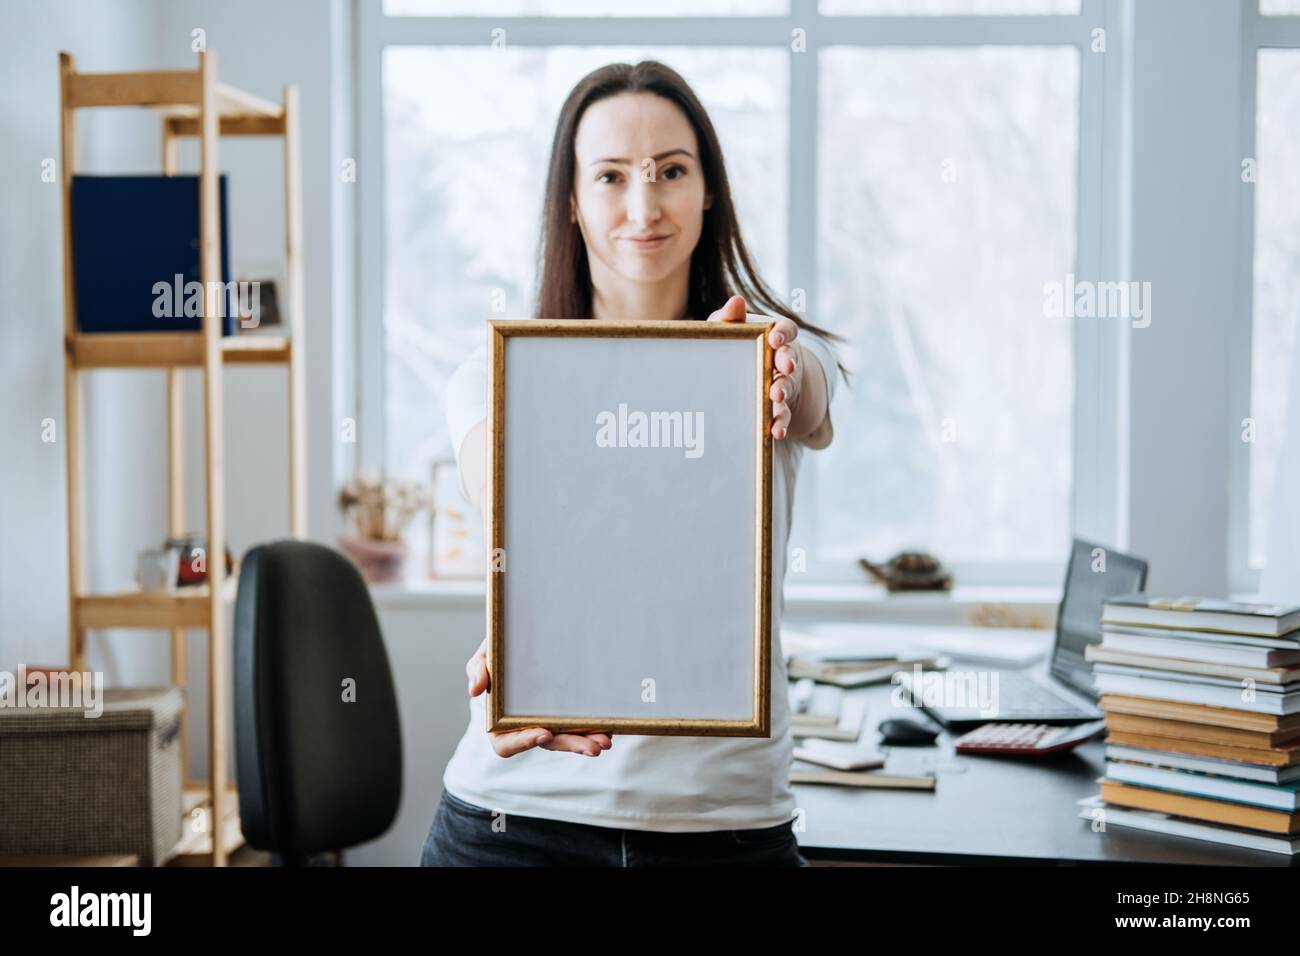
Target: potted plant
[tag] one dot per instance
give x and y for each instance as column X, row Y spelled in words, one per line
column 379, row 509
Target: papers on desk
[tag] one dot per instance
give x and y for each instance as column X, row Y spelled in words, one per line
column 857, row 672
column 815, row 703
column 845, row 723
column 864, row 643
column 803, row 772
column 839, row 756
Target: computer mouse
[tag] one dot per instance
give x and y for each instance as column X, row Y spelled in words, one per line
column 906, row 732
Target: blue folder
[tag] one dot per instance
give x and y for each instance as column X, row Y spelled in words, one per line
column 131, row 233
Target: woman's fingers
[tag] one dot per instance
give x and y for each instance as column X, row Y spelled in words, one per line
column 507, row 743
column 783, row 391
column 780, row 419
column 477, row 672
column 510, row 742
column 783, row 332
column 784, row 360
column 733, row 310
column 578, row 744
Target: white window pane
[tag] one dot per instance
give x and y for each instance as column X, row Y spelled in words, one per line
column 467, row 141
column 1279, row 7
column 585, row 8
column 947, row 183
column 1277, row 276
column 921, row 8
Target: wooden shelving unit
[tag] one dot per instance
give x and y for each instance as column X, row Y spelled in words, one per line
column 192, row 104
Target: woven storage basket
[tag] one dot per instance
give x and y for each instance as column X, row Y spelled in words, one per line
column 77, row 785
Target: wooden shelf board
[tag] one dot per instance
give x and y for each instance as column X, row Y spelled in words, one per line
column 234, row 124
column 143, row 88
column 177, row 91
column 255, row 349
column 234, row 101
column 195, row 847
column 172, row 349
column 182, row 607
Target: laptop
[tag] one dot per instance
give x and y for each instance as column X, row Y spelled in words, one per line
column 1062, row 692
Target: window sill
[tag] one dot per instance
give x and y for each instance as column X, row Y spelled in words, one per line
column 428, row 593
column 994, row 605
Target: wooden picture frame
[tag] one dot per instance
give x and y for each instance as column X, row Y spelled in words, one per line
column 629, row 552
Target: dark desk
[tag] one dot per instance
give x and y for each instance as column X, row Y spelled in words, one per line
column 986, row 810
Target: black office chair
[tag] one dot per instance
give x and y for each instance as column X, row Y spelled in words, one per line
column 319, row 768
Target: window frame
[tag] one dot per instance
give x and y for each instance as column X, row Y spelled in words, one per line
column 1099, row 472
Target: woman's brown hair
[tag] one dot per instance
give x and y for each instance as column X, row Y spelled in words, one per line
column 720, row 264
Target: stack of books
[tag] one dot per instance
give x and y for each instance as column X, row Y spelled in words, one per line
column 1202, row 705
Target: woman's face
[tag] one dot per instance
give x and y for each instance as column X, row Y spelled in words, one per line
column 638, row 194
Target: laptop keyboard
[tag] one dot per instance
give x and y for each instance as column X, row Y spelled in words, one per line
column 1018, row 695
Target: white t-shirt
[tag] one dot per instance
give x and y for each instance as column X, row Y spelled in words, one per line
column 641, row 782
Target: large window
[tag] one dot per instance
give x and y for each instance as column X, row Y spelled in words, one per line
column 1271, row 171
column 910, row 170
column 946, row 190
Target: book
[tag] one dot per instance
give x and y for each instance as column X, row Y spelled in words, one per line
column 1167, row 728
column 1222, row 637
column 1226, row 697
column 1189, row 783
column 839, row 756
column 807, row 773
column 1095, row 809
column 1197, row 679
column 1202, row 614
column 1225, row 717
column 1168, row 644
column 1240, row 769
column 135, row 254
column 1259, row 757
column 1098, row 654
column 1200, row 808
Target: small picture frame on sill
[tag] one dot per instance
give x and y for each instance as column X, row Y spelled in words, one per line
column 455, row 528
column 629, row 553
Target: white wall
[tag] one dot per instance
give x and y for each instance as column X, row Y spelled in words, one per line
column 428, row 651
column 1185, row 177
column 33, row 548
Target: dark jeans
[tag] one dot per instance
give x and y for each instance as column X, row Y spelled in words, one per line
column 462, row 834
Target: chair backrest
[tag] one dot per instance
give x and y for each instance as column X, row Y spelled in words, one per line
column 317, row 734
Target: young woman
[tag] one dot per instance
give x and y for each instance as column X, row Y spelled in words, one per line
column 638, row 224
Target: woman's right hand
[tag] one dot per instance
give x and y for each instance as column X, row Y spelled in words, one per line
column 507, row 743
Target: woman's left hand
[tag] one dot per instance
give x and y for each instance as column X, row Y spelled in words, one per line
column 787, row 370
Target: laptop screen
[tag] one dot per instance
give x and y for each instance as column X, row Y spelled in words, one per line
column 1094, row 574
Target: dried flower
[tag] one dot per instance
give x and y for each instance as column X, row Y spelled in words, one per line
column 380, row 508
